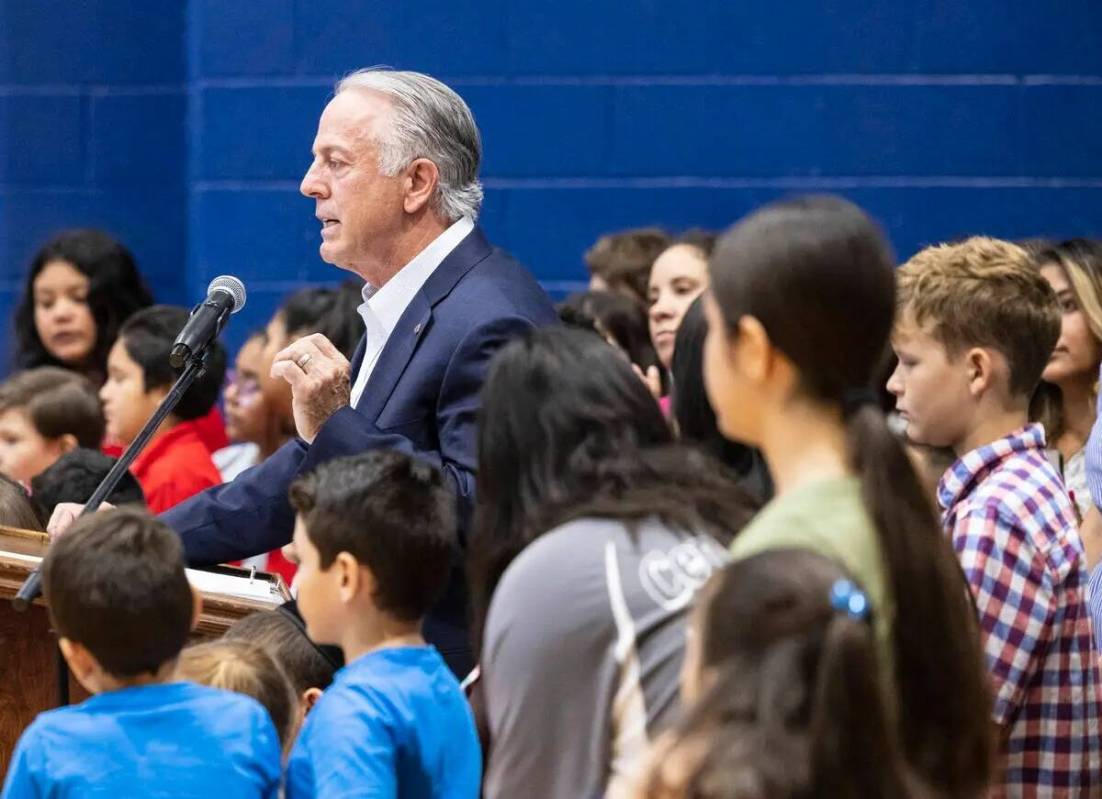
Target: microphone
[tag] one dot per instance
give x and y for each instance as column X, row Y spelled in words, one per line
column 225, row 296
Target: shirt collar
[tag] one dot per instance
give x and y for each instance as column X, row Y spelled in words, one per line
column 959, row 480
column 388, row 303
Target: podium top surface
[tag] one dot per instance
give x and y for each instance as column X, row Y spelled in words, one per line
column 229, row 593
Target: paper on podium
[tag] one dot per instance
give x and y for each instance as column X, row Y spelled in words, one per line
column 230, row 585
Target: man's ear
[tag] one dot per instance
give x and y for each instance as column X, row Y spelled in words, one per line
column 196, row 607
column 308, row 699
column 421, row 179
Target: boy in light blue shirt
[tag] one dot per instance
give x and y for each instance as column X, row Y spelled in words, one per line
column 122, row 606
column 374, row 536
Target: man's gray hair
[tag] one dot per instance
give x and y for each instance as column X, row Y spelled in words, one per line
column 429, row 120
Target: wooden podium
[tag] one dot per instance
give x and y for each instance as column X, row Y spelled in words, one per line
column 28, row 647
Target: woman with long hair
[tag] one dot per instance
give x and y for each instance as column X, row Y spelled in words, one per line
column 1065, row 400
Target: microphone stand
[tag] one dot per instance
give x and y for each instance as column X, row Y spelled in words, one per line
column 32, row 586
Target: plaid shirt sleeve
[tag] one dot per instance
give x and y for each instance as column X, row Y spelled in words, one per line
column 1014, row 597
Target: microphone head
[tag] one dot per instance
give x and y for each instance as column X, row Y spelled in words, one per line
column 232, row 286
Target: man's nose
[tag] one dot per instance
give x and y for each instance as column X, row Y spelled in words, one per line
column 311, row 185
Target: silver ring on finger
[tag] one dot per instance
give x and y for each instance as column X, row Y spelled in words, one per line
column 302, row 361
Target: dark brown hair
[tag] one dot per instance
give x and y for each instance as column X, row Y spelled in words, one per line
column 57, row 402
column 115, row 584
column 17, row 509
column 393, row 514
column 284, row 637
column 792, row 703
column 817, row 274
column 115, row 290
column 236, row 665
column 623, row 260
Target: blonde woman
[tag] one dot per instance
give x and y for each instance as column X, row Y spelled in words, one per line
column 1065, row 401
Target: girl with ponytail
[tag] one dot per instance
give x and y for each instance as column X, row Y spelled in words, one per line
column 799, row 315
column 785, row 691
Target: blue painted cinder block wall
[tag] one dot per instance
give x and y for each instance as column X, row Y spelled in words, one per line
column 184, row 127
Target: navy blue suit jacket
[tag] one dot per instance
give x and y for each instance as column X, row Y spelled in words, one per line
column 421, row 398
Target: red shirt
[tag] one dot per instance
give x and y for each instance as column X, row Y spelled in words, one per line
column 174, row 466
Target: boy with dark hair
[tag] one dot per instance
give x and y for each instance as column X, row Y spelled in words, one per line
column 176, row 464
column 976, row 326
column 44, row 413
column 75, row 477
column 122, row 607
column 374, row 535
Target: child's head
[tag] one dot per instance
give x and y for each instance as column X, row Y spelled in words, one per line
column 976, row 326
column 44, row 413
column 139, row 375
column 375, row 534
column 75, row 477
column 245, row 668
column 783, row 692
column 250, row 414
column 119, row 598
column 679, row 276
column 281, row 632
column 616, row 318
column 621, row 262
column 81, row 286
column 19, row 510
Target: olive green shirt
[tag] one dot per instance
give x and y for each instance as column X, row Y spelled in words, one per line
column 829, row 517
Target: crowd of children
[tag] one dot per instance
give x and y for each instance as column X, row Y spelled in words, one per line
column 703, row 561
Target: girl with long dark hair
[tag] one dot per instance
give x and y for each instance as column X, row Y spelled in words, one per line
column 800, row 311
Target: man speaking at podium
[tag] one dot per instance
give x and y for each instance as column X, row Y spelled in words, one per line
column 395, row 183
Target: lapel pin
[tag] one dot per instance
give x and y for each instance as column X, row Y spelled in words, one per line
column 417, row 328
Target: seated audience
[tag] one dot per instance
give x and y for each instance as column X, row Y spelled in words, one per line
column 1065, row 400
column 17, row 509
column 310, row 667
column 248, row 669
column 621, row 262
column 75, row 477
column 693, row 417
column 121, row 605
column 81, row 286
column 617, row 319
column 592, row 532
column 45, row 413
column 976, row 329
column 799, row 314
column 176, row 463
column 394, row 722
column 679, row 276
column 783, row 691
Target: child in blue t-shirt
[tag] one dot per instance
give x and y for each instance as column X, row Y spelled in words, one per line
column 374, row 536
column 122, row 606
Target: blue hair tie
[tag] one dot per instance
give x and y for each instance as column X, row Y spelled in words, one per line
column 846, row 597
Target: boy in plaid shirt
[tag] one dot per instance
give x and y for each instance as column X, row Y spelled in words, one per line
column 976, row 326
